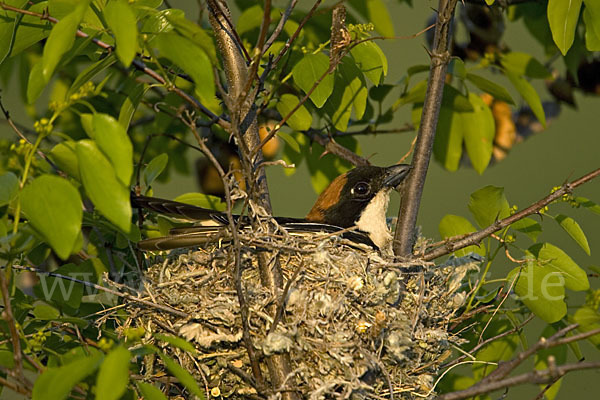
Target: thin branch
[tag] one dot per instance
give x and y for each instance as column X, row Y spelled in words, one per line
column 458, row 242
column 539, row 377
column 331, row 146
column 404, row 237
column 107, row 290
column 7, row 314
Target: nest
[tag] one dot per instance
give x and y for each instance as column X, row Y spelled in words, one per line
column 354, row 325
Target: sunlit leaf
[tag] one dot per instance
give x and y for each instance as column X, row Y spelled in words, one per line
column 551, row 257
column 109, row 195
column 454, row 225
column 529, row 95
column 301, row 119
column 113, row 375
column 588, row 320
column 154, row 168
column 574, row 230
column 371, row 61
column 306, row 73
column 112, row 139
column 180, row 373
column 562, row 17
column 524, row 64
column 497, row 91
column 193, row 60
column 488, row 205
column 541, row 289
column 53, row 206
column 375, row 11
column 529, row 227
column 150, row 392
column 478, row 132
column 202, row 200
column 121, row 21
column 61, row 39
column 56, row 382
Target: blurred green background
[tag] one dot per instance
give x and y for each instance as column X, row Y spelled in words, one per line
column 567, row 149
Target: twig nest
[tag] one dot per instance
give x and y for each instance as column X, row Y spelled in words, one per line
column 352, row 323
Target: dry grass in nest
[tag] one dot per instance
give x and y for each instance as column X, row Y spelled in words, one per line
column 354, row 324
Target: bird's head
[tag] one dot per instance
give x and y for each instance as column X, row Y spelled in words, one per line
column 360, row 197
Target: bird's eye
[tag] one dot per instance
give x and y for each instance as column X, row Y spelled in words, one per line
column 361, row 189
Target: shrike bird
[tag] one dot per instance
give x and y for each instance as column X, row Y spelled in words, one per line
column 358, row 198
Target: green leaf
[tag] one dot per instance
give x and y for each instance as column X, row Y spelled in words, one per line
column 497, row 91
column 250, row 19
column 135, row 95
column 112, row 139
column 202, row 200
column 289, row 140
column 454, row 225
column 61, row 39
column 447, row 147
column 121, row 21
column 113, row 375
column 56, row 382
column 90, row 72
column 18, row 32
column 479, row 130
column 457, row 68
column 177, row 342
column 524, row 64
column 46, row 312
column 109, row 195
column 529, row 227
column 192, row 31
column 455, row 100
column 588, row 320
column 194, row 61
column 574, row 230
column 553, row 258
column 9, row 187
column 541, row 289
column 154, row 168
column 308, row 70
column 371, row 61
column 53, row 206
column 562, row 17
column 301, row 119
column 350, row 92
column 488, row 205
column 529, row 95
column 592, row 28
column 150, row 392
column 184, row 377
column 63, row 292
column 35, row 83
column 588, row 204
column 415, row 95
column 375, row 11
column 559, row 354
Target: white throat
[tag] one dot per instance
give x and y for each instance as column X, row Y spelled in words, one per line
column 373, row 220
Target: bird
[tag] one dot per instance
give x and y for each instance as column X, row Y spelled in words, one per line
column 356, row 199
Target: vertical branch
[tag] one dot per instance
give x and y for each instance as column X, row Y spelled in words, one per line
column 404, row 237
column 244, row 127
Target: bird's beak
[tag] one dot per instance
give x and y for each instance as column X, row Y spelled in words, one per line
column 395, row 174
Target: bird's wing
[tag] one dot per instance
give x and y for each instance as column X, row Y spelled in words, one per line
column 177, row 209
column 185, row 237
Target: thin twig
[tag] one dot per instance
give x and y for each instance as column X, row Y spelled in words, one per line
column 105, row 289
column 458, row 242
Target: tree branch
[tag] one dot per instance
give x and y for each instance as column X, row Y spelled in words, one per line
column 458, row 242
column 404, row 237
